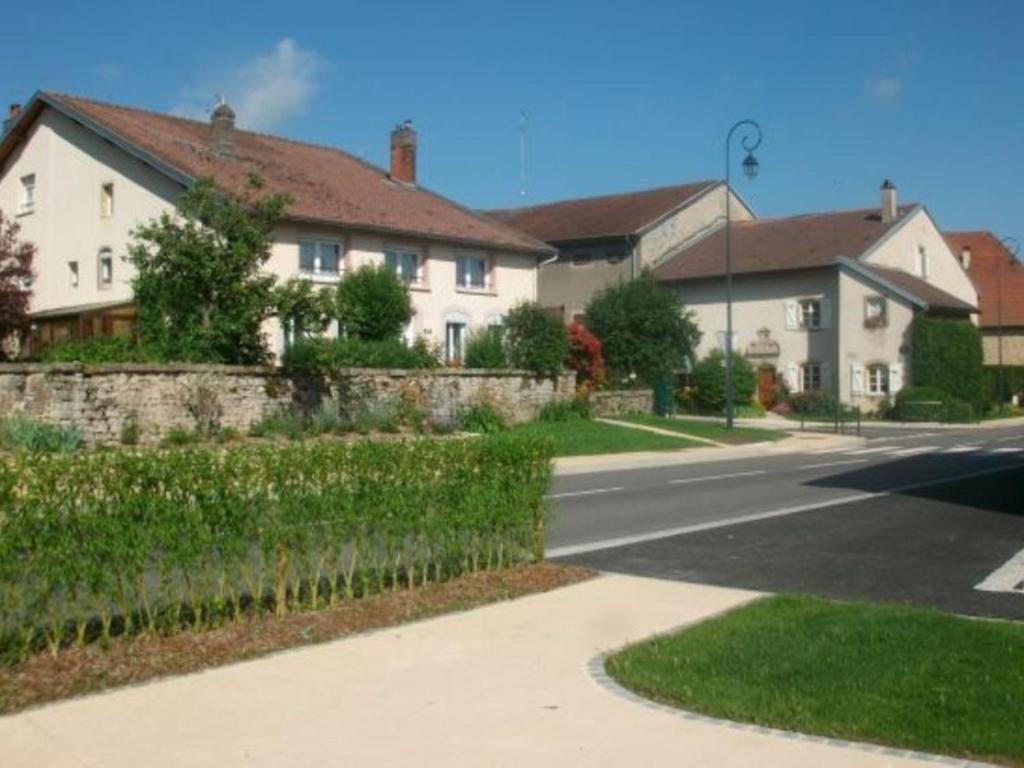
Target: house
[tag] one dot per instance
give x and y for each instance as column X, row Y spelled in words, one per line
column 602, row 240
column 999, row 278
column 79, row 175
column 824, row 301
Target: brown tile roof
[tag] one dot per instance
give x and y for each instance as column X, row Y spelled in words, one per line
column 599, row 217
column 327, row 184
column 770, row 245
column 934, row 297
column 992, row 266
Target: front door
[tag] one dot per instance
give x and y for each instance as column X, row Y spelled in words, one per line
column 766, row 386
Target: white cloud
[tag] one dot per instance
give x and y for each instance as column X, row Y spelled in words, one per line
column 886, row 89
column 265, row 92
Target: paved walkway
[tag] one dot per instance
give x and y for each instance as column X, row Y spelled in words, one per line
column 506, row 685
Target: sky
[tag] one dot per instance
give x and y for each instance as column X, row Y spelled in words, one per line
column 617, row 96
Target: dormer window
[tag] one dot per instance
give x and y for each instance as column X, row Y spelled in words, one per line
column 27, row 202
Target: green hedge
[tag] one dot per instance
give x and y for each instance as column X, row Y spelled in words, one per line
column 94, row 544
column 932, row 404
column 1013, row 378
column 947, row 356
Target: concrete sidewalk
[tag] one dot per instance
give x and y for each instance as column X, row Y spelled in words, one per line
column 505, row 685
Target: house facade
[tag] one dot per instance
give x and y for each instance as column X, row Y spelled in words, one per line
column 604, row 240
column 999, row 278
column 823, row 302
column 80, row 175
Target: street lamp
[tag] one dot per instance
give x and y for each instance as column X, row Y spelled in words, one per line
column 1012, row 248
column 751, row 140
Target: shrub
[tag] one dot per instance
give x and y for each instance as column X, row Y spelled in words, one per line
column 644, row 329
column 482, row 418
column 576, row 409
column 536, row 339
column 709, row 381
column 130, row 431
column 959, row 412
column 179, row 436
column 93, row 544
column 1013, row 382
column 921, row 404
column 814, row 403
column 328, row 356
column 585, row 357
column 373, row 304
column 303, row 308
column 947, row 355
column 485, row 348
column 287, row 422
column 23, row 433
column 16, row 257
column 103, row 349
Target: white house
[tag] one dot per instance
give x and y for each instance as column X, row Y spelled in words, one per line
column 79, row 175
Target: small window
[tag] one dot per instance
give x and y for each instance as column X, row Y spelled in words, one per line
column 320, row 257
column 73, row 273
column 454, row 341
column 812, row 377
column 27, row 204
column 922, row 261
column 106, row 268
column 107, row 200
column 471, row 272
column 875, row 312
column 810, row 314
column 405, row 264
column 878, row 379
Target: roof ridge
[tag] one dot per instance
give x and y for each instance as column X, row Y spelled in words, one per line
column 904, row 207
column 703, row 183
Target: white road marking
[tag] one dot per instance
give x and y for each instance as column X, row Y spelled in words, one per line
column 829, row 450
column 902, row 437
column 1007, row 439
column 590, row 492
column 1009, row 577
column 640, row 538
column 917, row 450
column 862, row 451
column 833, row 464
column 1005, row 450
column 962, row 449
column 687, row 480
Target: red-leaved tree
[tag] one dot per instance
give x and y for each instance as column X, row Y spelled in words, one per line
column 585, row 358
column 15, row 280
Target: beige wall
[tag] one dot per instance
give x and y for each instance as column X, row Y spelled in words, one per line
column 568, row 285
column 1013, row 346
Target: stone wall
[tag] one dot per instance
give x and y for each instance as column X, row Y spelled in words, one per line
column 101, row 400
column 622, row 401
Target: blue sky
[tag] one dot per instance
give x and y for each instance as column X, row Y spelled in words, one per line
column 619, row 96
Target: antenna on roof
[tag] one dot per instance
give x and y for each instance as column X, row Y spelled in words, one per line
column 522, row 153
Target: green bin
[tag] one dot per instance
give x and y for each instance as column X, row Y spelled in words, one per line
column 664, row 395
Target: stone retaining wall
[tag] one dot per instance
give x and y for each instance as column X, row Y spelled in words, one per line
column 101, row 400
column 622, row 401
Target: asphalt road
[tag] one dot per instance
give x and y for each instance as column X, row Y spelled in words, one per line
column 914, row 516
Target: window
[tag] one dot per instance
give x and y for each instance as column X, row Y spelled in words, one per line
column 107, row 200
column 73, row 273
column 319, row 257
column 405, row 264
column 471, row 272
column 106, row 267
column 878, row 379
column 810, row 314
column 27, row 203
column 454, row 341
column 874, row 312
column 922, row 261
column 811, row 377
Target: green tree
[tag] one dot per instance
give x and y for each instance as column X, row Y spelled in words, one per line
column 946, row 354
column 15, row 280
column 709, row 381
column 643, row 328
column 303, row 309
column 536, row 339
column 373, row 304
column 200, row 290
column 485, row 348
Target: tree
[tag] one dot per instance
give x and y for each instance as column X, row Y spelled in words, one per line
column 946, row 354
column 303, row 308
column 536, row 339
column 485, row 348
column 15, row 280
column 373, row 304
column 585, row 357
column 709, row 381
column 200, row 290
column 644, row 329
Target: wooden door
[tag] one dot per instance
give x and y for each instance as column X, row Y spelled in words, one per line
column 766, row 386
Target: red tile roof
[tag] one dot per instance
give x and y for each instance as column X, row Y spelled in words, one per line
column 934, row 297
column 599, row 217
column 770, row 245
column 327, row 184
column 992, row 267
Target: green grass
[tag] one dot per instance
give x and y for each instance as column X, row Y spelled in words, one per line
column 888, row 674
column 583, row 437
column 710, row 430
column 1008, row 413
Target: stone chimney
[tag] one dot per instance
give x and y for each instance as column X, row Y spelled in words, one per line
column 888, row 202
column 222, row 130
column 965, row 256
column 403, row 153
column 13, row 113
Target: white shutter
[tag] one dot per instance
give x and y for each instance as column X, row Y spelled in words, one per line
column 856, row 379
column 895, row 378
column 793, row 377
column 792, row 321
column 826, row 378
column 826, row 313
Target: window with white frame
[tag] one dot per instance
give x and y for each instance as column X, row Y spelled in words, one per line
column 471, row 272
column 922, row 261
column 107, row 200
column 809, row 313
column 27, row 203
column 320, row 257
column 811, row 377
column 73, row 273
column 454, row 340
column 405, row 263
column 878, row 379
column 874, row 312
column 106, row 268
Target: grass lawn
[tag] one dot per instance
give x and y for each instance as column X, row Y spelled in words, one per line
column 888, row 674
column 1008, row 413
column 583, row 437
column 707, row 429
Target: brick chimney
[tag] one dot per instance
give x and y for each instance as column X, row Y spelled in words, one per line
column 403, row 153
column 965, row 256
column 222, row 130
column 888, row 202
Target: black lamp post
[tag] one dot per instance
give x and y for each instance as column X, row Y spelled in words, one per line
column 751, row 140
column 1012, row 248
